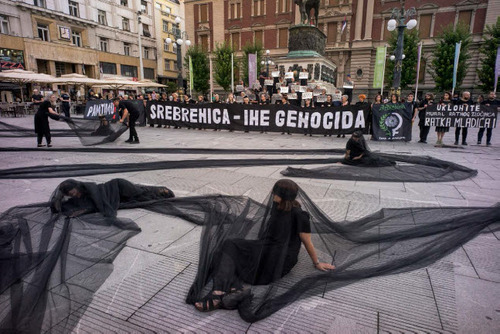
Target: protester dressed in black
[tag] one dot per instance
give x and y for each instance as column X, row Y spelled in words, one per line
column 357, row 153
column 42, row 128
column 129, row 110
column 65, row 103
column 465, row 101
column 424, row 130
column 266, row 259
column 491, row 101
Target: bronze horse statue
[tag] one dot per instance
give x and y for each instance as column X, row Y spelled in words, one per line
column 305, row 7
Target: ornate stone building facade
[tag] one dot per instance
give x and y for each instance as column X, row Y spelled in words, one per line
column 354, row 29
column 80, row 36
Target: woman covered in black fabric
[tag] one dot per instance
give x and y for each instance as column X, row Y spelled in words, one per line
column 264, row 260
column 42, row 128
column 73, row 198
column 357, row 153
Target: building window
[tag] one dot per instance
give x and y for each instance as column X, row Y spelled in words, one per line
column 125, row 24
column 204, row 13
column 167, row 65
column 258, row 7
column 464, row 18
column 149, row 73
column 235, row 10
column 144, row 6
column 126, row 49
column 424, row 28
column 103, row 42
column 175, row 66
column 43, row 32
column 60, row 69
column 146, row 53
column 145, row 30
column 204, row 42
column 4, row 24
column 40, row 3
column 76, row 37
column 73, row 9
column 101, row 17
column 259, row 37
column 165, row 26
column 284, row 6
column 235, row 40
column 129, row 71
column 283, row 38
column 124, row 3
column 108, row 68
column 331, row 33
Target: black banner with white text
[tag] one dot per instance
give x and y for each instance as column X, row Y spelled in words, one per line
column 462, row 116
column 254, row 117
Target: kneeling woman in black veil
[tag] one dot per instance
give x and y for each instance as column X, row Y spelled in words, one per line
column 268, row 258
column 358, row 153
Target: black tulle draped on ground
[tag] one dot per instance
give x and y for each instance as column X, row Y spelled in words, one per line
column 403, row 169
column 389, row 168
column 89, row 131
column 55, row 255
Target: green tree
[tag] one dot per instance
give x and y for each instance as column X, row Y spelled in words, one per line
column 489, row 51
column 248, row 49
column 201, row 69
column 410, row 50
column 222, row 71
column 441, row 67
column 171, row 87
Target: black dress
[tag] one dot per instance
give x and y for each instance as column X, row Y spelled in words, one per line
column 356, row 148
column 443, row 128
column 270, row 257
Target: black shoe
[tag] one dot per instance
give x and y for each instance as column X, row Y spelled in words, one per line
column 158, row 126
column 488, row 144
column 456, row 143
column 49, row 145
column 479, row 142
column 135, row 142
column 41, row 145
column 129, row 140
column 464, row 143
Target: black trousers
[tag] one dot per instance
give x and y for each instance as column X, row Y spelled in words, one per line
column 45, row 134
column 424, row 132
column 489, row 132
column 66, row 108
column 464, row 134
column 131, row 124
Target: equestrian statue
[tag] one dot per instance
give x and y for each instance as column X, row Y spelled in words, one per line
column 305, row 7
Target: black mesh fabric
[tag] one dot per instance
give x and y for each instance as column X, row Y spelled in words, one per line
column 402, row 168
column 89, row 131
column 55, row 255
column 387, row 167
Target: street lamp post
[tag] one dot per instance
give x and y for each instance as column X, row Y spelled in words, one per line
column 141, row 69
column 267, row 61
column 181, row 37
column 400, row 19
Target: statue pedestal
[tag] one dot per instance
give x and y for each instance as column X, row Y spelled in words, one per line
column 306, row 49
column 306, row 41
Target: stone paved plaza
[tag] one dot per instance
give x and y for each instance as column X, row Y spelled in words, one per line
column 145, row 292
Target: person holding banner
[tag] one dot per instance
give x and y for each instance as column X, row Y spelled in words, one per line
column 464, row 100
column 424, row 130
column 441, row 130
column 491, row 101
column 128, row 109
